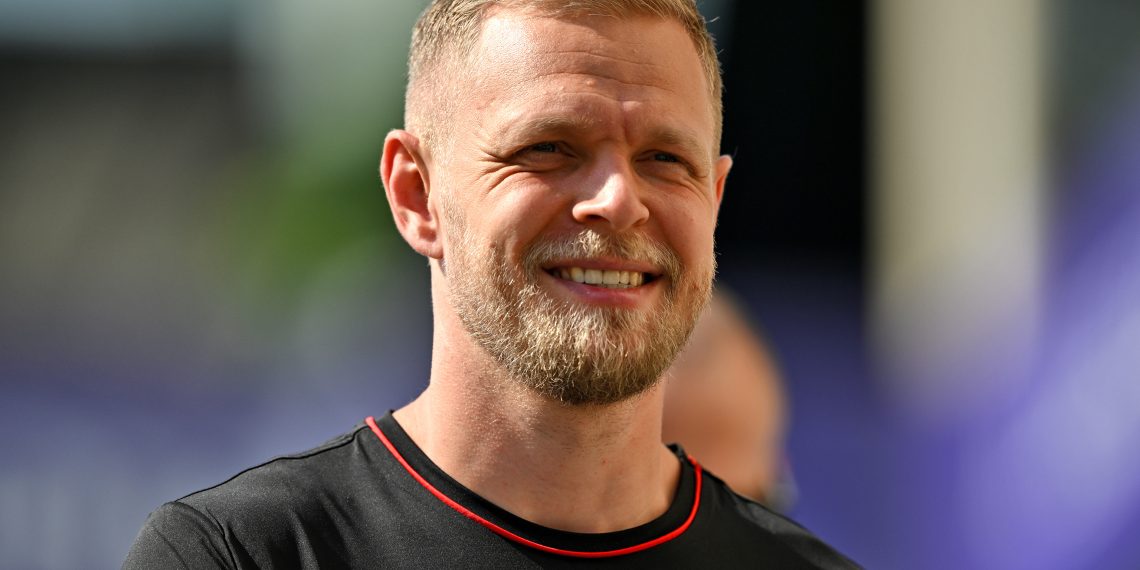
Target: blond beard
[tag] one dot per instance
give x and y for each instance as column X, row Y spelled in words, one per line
column 573, row 353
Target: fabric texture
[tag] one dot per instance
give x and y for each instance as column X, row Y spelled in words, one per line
column 350, row 504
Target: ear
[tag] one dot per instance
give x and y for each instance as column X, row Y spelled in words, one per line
column 403, row 170
column 723, row 165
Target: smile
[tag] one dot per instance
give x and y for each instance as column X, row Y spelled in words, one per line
column 608, row 278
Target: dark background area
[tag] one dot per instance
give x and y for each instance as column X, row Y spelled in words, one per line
column 794, row 105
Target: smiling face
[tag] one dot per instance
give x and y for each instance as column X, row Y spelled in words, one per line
column 579, row 192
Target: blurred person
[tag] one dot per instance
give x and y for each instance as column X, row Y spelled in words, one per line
column 560, row 171
column 725, row 404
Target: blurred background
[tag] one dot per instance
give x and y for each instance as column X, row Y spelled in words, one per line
column 933, row 216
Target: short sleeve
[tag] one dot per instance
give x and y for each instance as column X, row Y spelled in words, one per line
column 178, row 536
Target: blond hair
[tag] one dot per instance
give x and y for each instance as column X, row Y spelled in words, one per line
column 447, row 32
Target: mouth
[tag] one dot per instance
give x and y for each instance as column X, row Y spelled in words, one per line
column 607, row 278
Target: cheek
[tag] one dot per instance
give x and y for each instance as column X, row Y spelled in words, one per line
column 692, row 237
column 531, row 214
column 510, row 228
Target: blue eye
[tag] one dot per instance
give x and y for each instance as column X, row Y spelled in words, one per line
column 665, row 157
column 544, row 147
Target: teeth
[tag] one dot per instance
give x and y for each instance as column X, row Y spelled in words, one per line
column 610, row 278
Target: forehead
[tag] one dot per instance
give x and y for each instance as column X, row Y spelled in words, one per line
column 525, row 63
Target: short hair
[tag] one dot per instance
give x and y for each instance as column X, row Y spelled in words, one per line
column 448, row 30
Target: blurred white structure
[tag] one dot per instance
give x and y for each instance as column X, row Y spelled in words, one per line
column 956, row 106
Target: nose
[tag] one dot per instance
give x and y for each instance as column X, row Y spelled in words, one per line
column 614, row 199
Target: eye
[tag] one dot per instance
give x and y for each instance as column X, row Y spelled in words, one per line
column 542, row 156
column 543, row 147
column 667, row 165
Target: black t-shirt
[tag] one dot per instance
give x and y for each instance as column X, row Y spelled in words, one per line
column 372, row 499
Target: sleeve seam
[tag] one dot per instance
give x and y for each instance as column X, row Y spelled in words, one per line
column 218, row 525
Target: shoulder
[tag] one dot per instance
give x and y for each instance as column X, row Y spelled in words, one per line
column 178, row 536
column 773, row 532
column 259, row 510
column 285, row 480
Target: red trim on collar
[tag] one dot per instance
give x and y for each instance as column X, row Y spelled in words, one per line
column 516, row 538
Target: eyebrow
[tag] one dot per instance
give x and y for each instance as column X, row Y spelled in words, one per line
column 549, row 125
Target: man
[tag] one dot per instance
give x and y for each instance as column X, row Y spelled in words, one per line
column 560, row 172
column 725, row 403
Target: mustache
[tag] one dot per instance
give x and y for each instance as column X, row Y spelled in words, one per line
column 591, row 243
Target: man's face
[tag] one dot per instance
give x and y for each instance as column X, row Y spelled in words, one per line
column 579, row 197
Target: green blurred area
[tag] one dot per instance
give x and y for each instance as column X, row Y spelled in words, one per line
column 187, row 194
column 333, row 76
column 285, row 218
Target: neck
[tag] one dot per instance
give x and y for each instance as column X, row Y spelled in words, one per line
column 576, row 468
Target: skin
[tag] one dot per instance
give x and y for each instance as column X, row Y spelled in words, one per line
column 725, row 403
column 590, row 122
